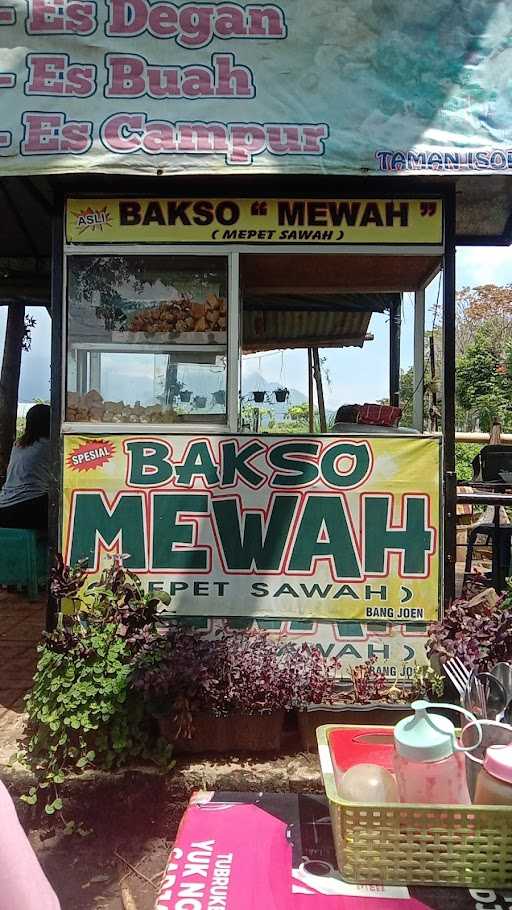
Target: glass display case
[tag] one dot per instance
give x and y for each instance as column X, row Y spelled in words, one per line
column 146, row 339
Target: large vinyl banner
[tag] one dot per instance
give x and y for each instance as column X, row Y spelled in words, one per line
column 305, row 527
column 297, row 86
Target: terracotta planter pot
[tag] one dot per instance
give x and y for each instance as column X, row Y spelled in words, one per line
column 236, row 733
column 308, row 721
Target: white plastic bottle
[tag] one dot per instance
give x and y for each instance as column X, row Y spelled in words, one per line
column 429, row 763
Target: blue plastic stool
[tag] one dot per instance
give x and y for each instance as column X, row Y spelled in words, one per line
column 23, row 559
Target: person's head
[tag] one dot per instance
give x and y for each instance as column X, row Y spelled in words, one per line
column 348, row 413
column 37, row 425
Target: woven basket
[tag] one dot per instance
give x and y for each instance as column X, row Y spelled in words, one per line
column 399, row 844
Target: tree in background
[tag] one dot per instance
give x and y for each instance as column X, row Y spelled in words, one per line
column 17, row 340
column 484, row 384
column 484, row 362
column 296, row 420
column 465, row 452
column 406, row 396
column 407, row 389
column 486, row 307
column 484, row 343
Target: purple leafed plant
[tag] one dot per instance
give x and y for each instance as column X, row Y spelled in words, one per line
column 66, row 581
column 117, row 598
column 237, row 672
column 480, row 634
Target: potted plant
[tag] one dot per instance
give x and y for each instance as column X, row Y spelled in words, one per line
column 219, row 396
column 200, row 401
column 82, row 711
column 185, row 395
column 229, row 693
column 478, row 631
column 282, row 394
column 259, row 397
column 370, row 698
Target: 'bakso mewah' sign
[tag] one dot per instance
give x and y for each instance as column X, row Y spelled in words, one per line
column 269, row 221
column 238, row 525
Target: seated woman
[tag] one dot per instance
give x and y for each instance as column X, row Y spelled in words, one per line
column 24, row 496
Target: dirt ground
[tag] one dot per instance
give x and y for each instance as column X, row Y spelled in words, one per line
column 129, row 821
column 123, row 855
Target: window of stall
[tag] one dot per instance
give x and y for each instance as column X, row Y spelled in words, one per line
column 147, row 339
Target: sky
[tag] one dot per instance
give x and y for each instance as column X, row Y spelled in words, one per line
column 356, row 375
column 361, row 374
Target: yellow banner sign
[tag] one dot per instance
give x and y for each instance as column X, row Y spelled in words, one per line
column 313, row 527
column 334, row 220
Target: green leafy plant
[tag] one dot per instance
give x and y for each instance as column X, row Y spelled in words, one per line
column 82, row 709
column 426, row 683
column 483, row 382
column 371, row 686
column 464, row 455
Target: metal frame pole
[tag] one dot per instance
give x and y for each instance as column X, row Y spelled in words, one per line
column 55, row 492
column 319, row 389
column 234, row 343
column 449, row 475
column 419, row 360
column 395, row 326
column 311, row 404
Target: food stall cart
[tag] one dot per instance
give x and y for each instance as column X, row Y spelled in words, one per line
column 336, row 538
column 229, row 176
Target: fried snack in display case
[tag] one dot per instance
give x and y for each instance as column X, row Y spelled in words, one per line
column 92, row 408
column 148, row 388
column 160, row 299
column 147, row 339
column 184, row 318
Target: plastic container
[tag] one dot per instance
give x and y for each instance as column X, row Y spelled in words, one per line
column 405, row 844
column 430, row 765
column 493, row 734
column 367, row 783
column 494, row 781
column 382, row 415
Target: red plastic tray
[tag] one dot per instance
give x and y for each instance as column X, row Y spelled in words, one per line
column 356, row 745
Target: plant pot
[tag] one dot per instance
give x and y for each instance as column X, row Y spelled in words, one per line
column 185, row 395
column 259, row 397
column 362, row 715
column 219, row 397
column 236, row 733
column 200, row 401
column 281, row 394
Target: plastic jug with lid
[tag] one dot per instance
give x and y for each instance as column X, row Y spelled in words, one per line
column 429, row 762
